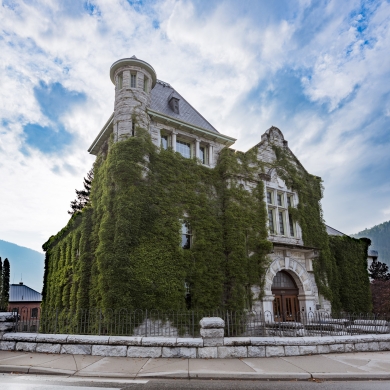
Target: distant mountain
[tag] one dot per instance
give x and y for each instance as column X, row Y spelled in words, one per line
column 25, row 262
column 380, row 238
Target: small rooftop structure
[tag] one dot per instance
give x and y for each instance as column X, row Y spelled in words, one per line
column 21, row 293
column 372, row 253
column 333, row 232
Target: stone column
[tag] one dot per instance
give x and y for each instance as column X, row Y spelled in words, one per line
column 268, row 307
column 173, row 138
column 197, row 151
column 212, row 331
column 211, row 149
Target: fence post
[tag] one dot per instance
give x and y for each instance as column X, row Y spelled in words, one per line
column 100, row 321
column 228, row 323
column 55, row 324
column 146, row 324
column 193, row 324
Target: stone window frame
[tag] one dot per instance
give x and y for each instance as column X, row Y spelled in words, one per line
column 133, row 77
column 185, row 141
column 195, row 144
column 119, row 79
column 146, row 84
column 206, row 154
column 185, row 224
column 167, row 136
column 280, row 211
column 271, row 216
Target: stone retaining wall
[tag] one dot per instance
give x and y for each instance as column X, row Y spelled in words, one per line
column 211, row 345
column 155, row 347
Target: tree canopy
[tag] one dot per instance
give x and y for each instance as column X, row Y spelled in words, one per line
column 82, row 199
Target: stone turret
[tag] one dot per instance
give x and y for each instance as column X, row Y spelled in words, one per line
column 133, row 80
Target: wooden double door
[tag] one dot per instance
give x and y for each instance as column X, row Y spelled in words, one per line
column 286, row 306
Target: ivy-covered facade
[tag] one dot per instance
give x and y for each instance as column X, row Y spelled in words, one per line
column 179, row 220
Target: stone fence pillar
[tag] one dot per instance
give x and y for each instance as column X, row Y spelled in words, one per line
column 7, row 322
column 212, row 331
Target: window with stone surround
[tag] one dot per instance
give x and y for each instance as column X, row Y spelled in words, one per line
column 184, row 148
column 165, row 141
column 186, row 235
column 146, row 84
column 133, row 80
column 269, row 197
column 120, row 80
column 203, row 155
column 291, row 226
column 279, row 198
column 271, row 221
column 280, row 221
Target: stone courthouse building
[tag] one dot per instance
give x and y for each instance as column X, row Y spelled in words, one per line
column 286, row 282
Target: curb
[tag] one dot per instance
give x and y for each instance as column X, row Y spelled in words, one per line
column 201, row 376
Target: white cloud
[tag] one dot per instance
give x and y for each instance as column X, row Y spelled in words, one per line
column 227, row 64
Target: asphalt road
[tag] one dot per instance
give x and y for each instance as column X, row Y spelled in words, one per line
column 31, row 382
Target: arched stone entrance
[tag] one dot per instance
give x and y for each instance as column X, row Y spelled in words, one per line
column 285, row 292
column 304, row 291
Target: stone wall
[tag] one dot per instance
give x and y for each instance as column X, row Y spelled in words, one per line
column 211, row 345
column 7, row 322
column 216, row 347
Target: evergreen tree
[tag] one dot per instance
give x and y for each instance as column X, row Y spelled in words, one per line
column 379, row 271
column 6, row 277
column 82, row 199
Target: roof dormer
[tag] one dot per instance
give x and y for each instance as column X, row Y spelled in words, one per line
column 173, row 102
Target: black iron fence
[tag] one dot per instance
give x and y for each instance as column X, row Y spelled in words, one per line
column 148, row 323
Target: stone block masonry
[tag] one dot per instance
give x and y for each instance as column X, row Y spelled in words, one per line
column 212, row 345
column 150, row 347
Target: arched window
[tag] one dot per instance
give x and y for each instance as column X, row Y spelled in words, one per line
column 283, row 280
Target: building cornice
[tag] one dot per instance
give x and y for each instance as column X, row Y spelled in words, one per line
column 101, row 137
column 168, row 120
column 133, row 62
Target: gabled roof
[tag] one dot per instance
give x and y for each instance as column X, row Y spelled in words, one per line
column 22, row 293
column 333, row 232
column 159, row 109
column 160, row 96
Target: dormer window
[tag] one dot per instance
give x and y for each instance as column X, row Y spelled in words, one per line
column 174, row 104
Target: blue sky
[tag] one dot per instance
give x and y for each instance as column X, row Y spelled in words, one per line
column 318, row 70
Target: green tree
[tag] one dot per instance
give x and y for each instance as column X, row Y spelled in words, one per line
column 5, row 283
column 82, row 199
column 379, row 271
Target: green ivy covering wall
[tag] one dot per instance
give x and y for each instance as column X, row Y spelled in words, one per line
column 351, row 260
column 341, row 259
column 124, row 249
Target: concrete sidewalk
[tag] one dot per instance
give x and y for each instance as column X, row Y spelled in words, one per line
column 362, row 365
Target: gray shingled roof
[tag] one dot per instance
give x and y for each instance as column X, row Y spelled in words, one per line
column 22, row 293
column 372, row 253
column 160, row 95
column 333, row 232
